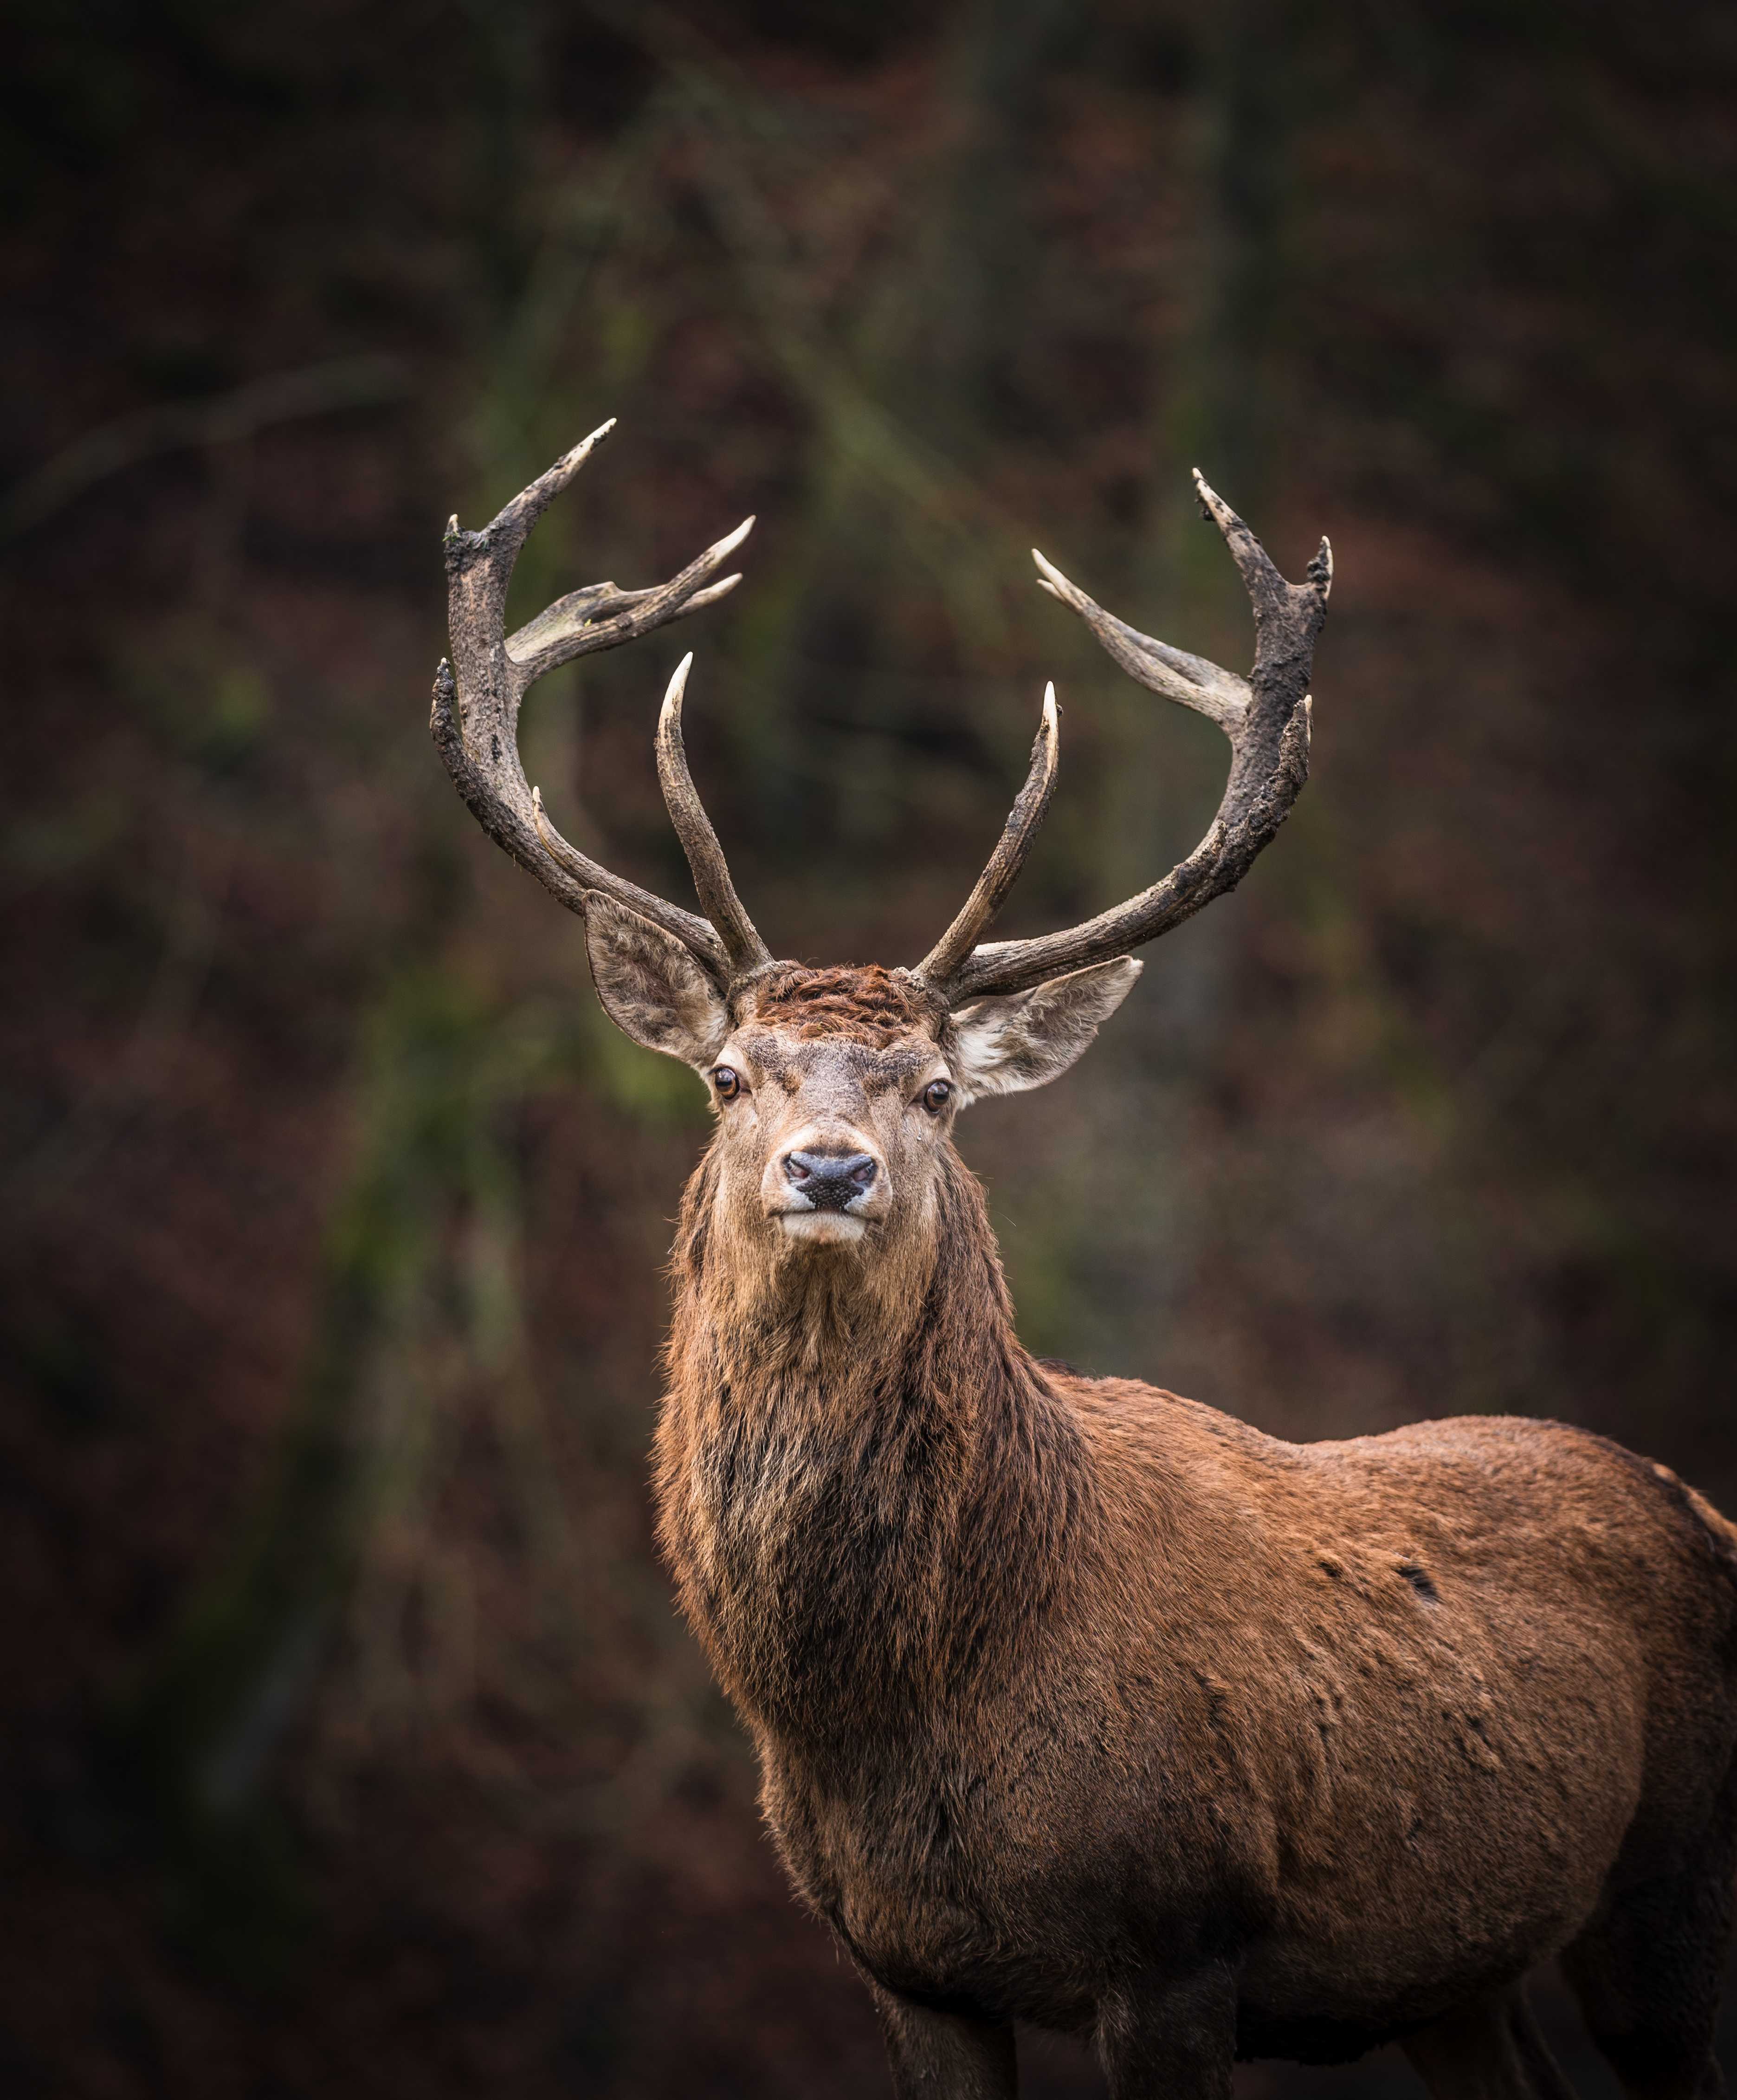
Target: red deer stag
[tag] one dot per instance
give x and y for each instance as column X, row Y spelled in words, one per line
column 1077, row 1703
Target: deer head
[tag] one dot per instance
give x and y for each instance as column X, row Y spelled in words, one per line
column 836, row 1090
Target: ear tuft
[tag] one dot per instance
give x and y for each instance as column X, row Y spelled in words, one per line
column 652, row 988
column 1010, row 1045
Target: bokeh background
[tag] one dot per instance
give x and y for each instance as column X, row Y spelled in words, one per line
column 351, row 1745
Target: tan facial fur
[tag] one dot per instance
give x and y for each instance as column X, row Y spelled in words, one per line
column 823, row 1083
column 829, row 1100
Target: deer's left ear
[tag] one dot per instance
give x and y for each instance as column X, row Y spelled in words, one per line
column 1026, row 1039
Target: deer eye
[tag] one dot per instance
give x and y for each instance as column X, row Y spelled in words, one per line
column 728, row 1081
column 936, row 1094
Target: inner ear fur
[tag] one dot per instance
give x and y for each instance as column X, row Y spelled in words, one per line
column 1026, row 1039
column 650, row 986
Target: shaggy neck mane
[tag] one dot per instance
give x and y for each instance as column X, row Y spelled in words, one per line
column 867, row 1489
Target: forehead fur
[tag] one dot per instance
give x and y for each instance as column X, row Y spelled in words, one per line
column 868, row 1005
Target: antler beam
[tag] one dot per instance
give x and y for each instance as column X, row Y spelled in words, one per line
column 478, row 693
column 1267, row 718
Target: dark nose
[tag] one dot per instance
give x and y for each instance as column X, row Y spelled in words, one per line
column 831, row 1180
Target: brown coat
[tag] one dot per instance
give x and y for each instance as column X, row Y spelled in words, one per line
column 1056, row 1680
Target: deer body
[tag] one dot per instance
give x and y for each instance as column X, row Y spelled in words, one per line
column 1061, row 1682
column 1076, row 1702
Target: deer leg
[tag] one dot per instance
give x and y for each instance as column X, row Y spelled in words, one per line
column 1175, row 2040
column 944, row 2056
column 1648, row 1979
column 1490, row 2049
column 1534, row 2051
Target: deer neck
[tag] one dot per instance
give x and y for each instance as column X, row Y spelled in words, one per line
column 867, row 1488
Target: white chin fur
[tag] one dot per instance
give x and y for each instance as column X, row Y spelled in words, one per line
column 822, row 1228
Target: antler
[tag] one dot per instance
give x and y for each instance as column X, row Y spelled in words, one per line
column 475, row 723
column 942, row 961
column 1266, row 717
column 475, row 717
column 699, row 842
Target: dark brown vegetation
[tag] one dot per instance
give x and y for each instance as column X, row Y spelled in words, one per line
column 351, row 1743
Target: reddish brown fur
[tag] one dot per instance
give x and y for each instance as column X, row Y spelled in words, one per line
column 856, row 1004
column 1080, row 1703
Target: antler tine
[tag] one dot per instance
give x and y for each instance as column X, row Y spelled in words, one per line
column 1267, row 718
column 1008, row 858
column 699, row 842
column 1190, row 681
column 478, row 694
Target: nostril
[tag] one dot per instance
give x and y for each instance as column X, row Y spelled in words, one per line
column 831, row 1180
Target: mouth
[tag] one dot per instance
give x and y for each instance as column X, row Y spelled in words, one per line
column 822, row 1228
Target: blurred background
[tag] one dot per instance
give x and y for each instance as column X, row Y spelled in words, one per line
column 351, row 1744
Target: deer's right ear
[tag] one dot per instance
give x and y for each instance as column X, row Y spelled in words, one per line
column 651, row 987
